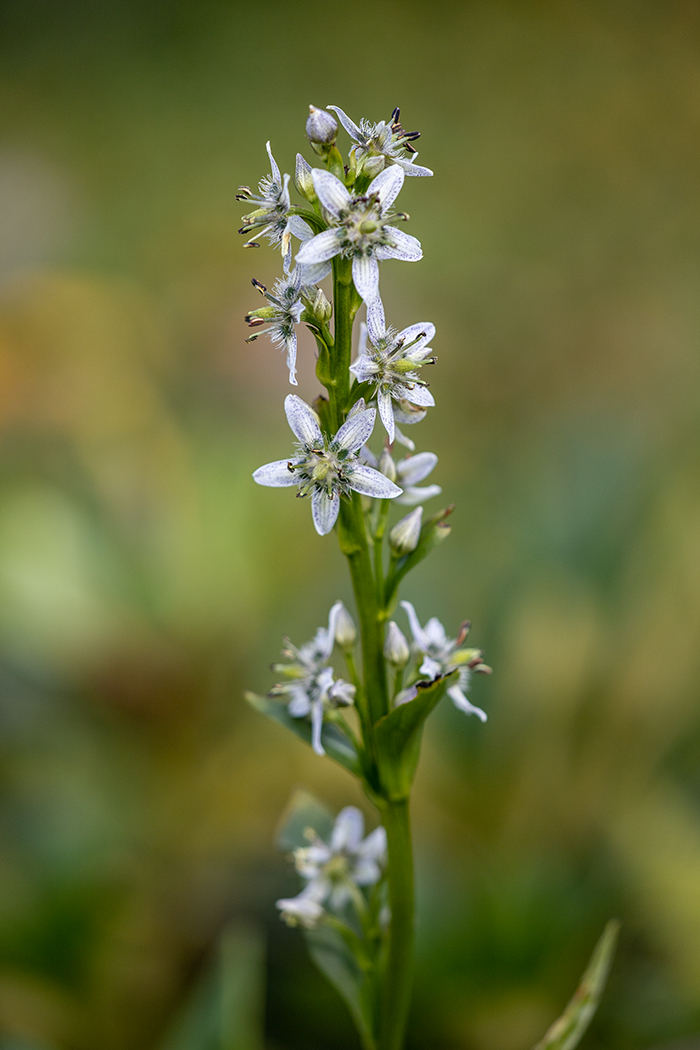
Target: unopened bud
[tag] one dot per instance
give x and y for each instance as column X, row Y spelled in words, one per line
column 322, row 309
column 404, row 536
column 387, row 465
column 345, row 630
column 303, row 180
column 321, row 127
column 371, row 166
column 396, row 647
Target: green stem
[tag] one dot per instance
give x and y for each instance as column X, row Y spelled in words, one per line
column 343, row 299
column 398, row 976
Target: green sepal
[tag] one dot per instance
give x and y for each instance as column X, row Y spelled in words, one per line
column 334, row 163
column 567, row 1031
column 433, row 532
column 336, row 961
column 398, row 737
column 323, row 364
column 337, row 745
column 321, row 407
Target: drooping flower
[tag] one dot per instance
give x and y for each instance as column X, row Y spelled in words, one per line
column 382, row 143
column 310, row 688
column 443, row 655
column 391, row 361
column 360, row 229
column 281, row 317
column 271, row 217
column 327, row 468
column 333, row 870
column 408, row 472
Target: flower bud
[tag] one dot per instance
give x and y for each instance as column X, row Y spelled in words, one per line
column 345, row 630
column 321, row 127
column 303, row 180
column 321, row 308
column 371, row 166
column 404, row 536
column 396, row 647
column 387, row 465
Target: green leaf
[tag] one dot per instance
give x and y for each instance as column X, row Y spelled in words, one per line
column 335, row 960
column 225, row 1010
column 398, row 737
column 303, row 811
column 337, row 745
column 566, row 1033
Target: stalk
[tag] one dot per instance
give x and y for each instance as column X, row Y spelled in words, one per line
column 398, row 977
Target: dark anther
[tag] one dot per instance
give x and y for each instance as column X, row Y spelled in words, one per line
column 395, row 116
column 251, row 244
column 290, row 467
column 410, row 148
column 411, row 135
column 254, row 322
column 257, row 284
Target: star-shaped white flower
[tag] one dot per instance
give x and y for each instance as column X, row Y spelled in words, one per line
column 360, row 229
column 327, row 468
column 310, row 689
column 443, row 655
column 281, row 317
column 385, row 140
column 271, row 217
column 334, row 869
column 391, row 361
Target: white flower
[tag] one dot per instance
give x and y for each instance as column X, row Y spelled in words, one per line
column 443, row 655
column 403, row 538
column 384, row 140
column 311, row 689
column 360, row 229
column 282, row 317
column 391, row 362
column 271, row 217
column 408, row 472
column 334, row 869
column 327, row 468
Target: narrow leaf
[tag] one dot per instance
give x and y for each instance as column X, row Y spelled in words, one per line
column 398, row 736
column 335, row 960
column 566, row 1032
column 337, row 745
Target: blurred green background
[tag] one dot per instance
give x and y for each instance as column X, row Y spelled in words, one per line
column 145, row 581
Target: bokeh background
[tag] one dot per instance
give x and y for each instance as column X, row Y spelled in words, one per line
column 145, row 581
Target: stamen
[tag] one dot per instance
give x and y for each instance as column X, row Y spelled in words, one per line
column 463, row 632
column 257, row 284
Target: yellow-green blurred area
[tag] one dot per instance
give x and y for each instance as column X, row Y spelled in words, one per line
column 145, row 581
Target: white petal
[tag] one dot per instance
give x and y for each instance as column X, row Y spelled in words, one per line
column 316, row 727
column 302, row 420
column 324, row 511
column 320, row 248
column 349, row 125
column 366, row 872
column 387, row 185
column 431, row 668
column 330, row 191
column 299, row 227
column 300, row 705
column 405, row 441
column 375, row 316
column 368, row 457
column 356, row 431
column 423, row 332
column 386, row 412
column 362, row 368
column 276, row 175
column 460, row 701
column 365, row 274
column 402, row 246
column 413, row 469
column 416, row 629
column 374, row 846
column 314, row 273
column 416, row 394
column 412, row 169
column 359, row 406
column 291, row 344
column 348, row 830
column 369, row 482
column 412, row 496
column 276, row 475
column 330, row 632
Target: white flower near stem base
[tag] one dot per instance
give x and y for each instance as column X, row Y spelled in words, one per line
column 360, row 229
column 443, row 655
column 391, row 362
column 271, row 217
column 326, row 468
column 281, row 317
column 385, row 142
column 334, row 870
column 310, row 689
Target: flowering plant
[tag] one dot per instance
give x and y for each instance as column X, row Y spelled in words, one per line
column 356, row 906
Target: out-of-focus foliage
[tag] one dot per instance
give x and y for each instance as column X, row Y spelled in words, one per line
column 145, row 581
